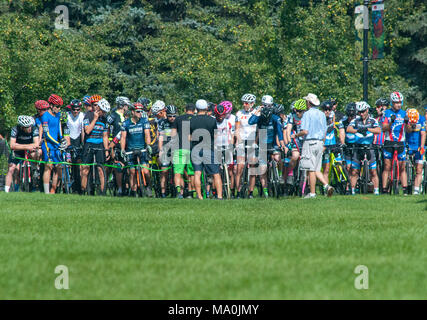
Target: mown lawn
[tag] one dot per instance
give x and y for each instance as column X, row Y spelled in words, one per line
column 242, row 249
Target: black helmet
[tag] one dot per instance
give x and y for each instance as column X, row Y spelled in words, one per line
column 146, row 103
column 211, row 106
column 75, row 104
column 171, row 109
column 333, row 100
column 350, row 109
column 382, row 102
column 278, row 109
column 266, row 113
column 326, row 105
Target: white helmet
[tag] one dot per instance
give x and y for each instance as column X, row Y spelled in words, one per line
column 267, row 100
column 248, row 97
column 362, row 106
column 201, row 104
column 122, row 101
column 158, row 106
column 26, row 121
column 396, row 97
column 104, row 105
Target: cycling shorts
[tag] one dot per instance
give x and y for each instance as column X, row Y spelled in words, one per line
column 388, row 151
column 133, row 159
column 327, row 155
column 182, row 161
column 14, row 154
column 418, row 157
column 91, row 149
column 50, row 153
column 359, row 155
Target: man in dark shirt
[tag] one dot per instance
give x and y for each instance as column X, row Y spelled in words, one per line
column 202, row 130
column 181, row 149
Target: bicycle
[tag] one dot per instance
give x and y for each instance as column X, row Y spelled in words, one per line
column 339, row 174
column 140, row 176
column 364, row 177
column 245, row 178
column 393, row 180
column 225, row 177
column 25, row 174
column 411, row 171
column 65, row 181
column 424, row 182
column 378, row 149
column 94, row 179
column 273, row 175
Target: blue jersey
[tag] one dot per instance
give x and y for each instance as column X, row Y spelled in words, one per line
column 368, row 137
column 51, row 129
column 135, row 135
column 274, row 127
column 330, row 139
column 397, row 130
column 96, row 136
column 413, row 138
column 343, row 124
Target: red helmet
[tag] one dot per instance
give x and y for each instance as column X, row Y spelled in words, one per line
column 95, row 98
column 55, row 100
column 41, row 105
column 219, row 111
column 138, row 106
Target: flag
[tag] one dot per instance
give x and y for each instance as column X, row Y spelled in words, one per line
column 359, row 24
column 377, row 30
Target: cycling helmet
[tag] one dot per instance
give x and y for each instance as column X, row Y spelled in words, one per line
column 248, row 97
column 86, row 100
column 396, row 97
column 350, row 109
column 382, row 102
column 75, row 104
column 326, row 105
column 211, row 106
column 300, row 105
column 362, row 106
column 158, row 106
column 26, row 121
column 104, row 105
column 171, row 110
column 413, row 115
column 278, row 109
column 95, row 98
column 137, row 106
column 228, row 106
column 123, row 101
column 41, row 105
column 333, row 100
column 267, row 100
column 219, row 111
column 55, row 100
column 146, row 103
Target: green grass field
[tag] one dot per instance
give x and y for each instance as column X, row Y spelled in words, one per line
column 243, row 249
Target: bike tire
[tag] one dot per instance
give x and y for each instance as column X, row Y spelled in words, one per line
column 395, row 182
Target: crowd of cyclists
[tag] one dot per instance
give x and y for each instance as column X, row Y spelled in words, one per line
column 147, row 149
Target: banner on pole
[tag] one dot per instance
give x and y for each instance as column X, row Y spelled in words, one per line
column 377, row 31
column 359, row 24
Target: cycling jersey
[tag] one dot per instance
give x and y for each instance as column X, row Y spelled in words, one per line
column 273, row 127
column 246, row 131
column 225, row 131
column 367, row 138
column 295, row 122
column 135, row 137
column 397, row 130
column 63, row 117
column 97, row 134
column 413, row 138
column 75, row 125
column 23, row 137
column 115, row 121
column 52, row 133
column 379, row 138
column 165, row 129
column 343, row 124
column 330, row 139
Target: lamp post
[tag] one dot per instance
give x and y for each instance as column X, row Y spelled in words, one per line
column 365, row 49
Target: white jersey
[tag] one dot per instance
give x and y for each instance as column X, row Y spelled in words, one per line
column 225, row 131
column 75, row 125
column 247, row 132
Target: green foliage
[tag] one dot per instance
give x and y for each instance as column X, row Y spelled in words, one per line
column 181, row 50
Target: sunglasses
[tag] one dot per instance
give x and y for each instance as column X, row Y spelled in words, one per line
column 246, row 103
column 327, row 110
column 76, row 109
column 171, row 116
column 139, row 111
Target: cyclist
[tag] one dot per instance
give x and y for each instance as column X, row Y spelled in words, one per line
column 364, row 127
column 165, row 146
column 416, row 139
column 245, row 136
column 293, row 127
column 115, row 120
column 146, row 105
column 181, row 150
column 136, row 136
column 225, row 138
column 381, row 106
column 330, row 140
column 394, row 122
column 347, row 139
column 336, row 113
column 52, row 140
column 211, row 108
column 87, row 104
column 23, row 137
column 264, row 118
column 96, row 139
column 279, row 110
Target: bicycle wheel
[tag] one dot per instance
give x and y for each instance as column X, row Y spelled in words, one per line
column 395, row 182
column 303, row 185
column 365, row 180
column 226, row 183
column 409, row 173
column 140, row 181
column 23, row 178
column 425, row 178
column 65, row 179
column 97, row 188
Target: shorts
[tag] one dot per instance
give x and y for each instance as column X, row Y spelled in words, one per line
column 205, row 159
column 91, row 149
column 228, row 154
column 358, row 157
column 311, row 157
column 418, row 157
column 271, row 149
column 181, row 161
column 14, row 154
column 165, row 159
column 133, row 159
column 388, row 151
column 246, row 151
column 327, row 154
column 50, row 153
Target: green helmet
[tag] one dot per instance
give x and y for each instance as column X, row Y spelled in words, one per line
column 300, row 105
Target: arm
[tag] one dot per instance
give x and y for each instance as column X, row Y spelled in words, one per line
column 147, row 136
column 342, row 136
column 253, row 119
column 123, row 140
column 20, row 147
column 350, row 129
column 89, row 128
column 237, row 133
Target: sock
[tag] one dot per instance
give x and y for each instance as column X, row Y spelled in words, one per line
column 353, row 191
column 207, row 193
column 6, row 189
column 193, row 193
column 376, row 190
column 416, row 189
column 405, row 189
column 120, row 190
column 291, row 173
column 265, row 190
column 46, row 188
column 325, row 186
column 178, row 189
column 250, row 193
column 232, row 192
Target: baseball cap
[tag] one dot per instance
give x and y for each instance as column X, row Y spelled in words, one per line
column 313, row 99
column 201, row 104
